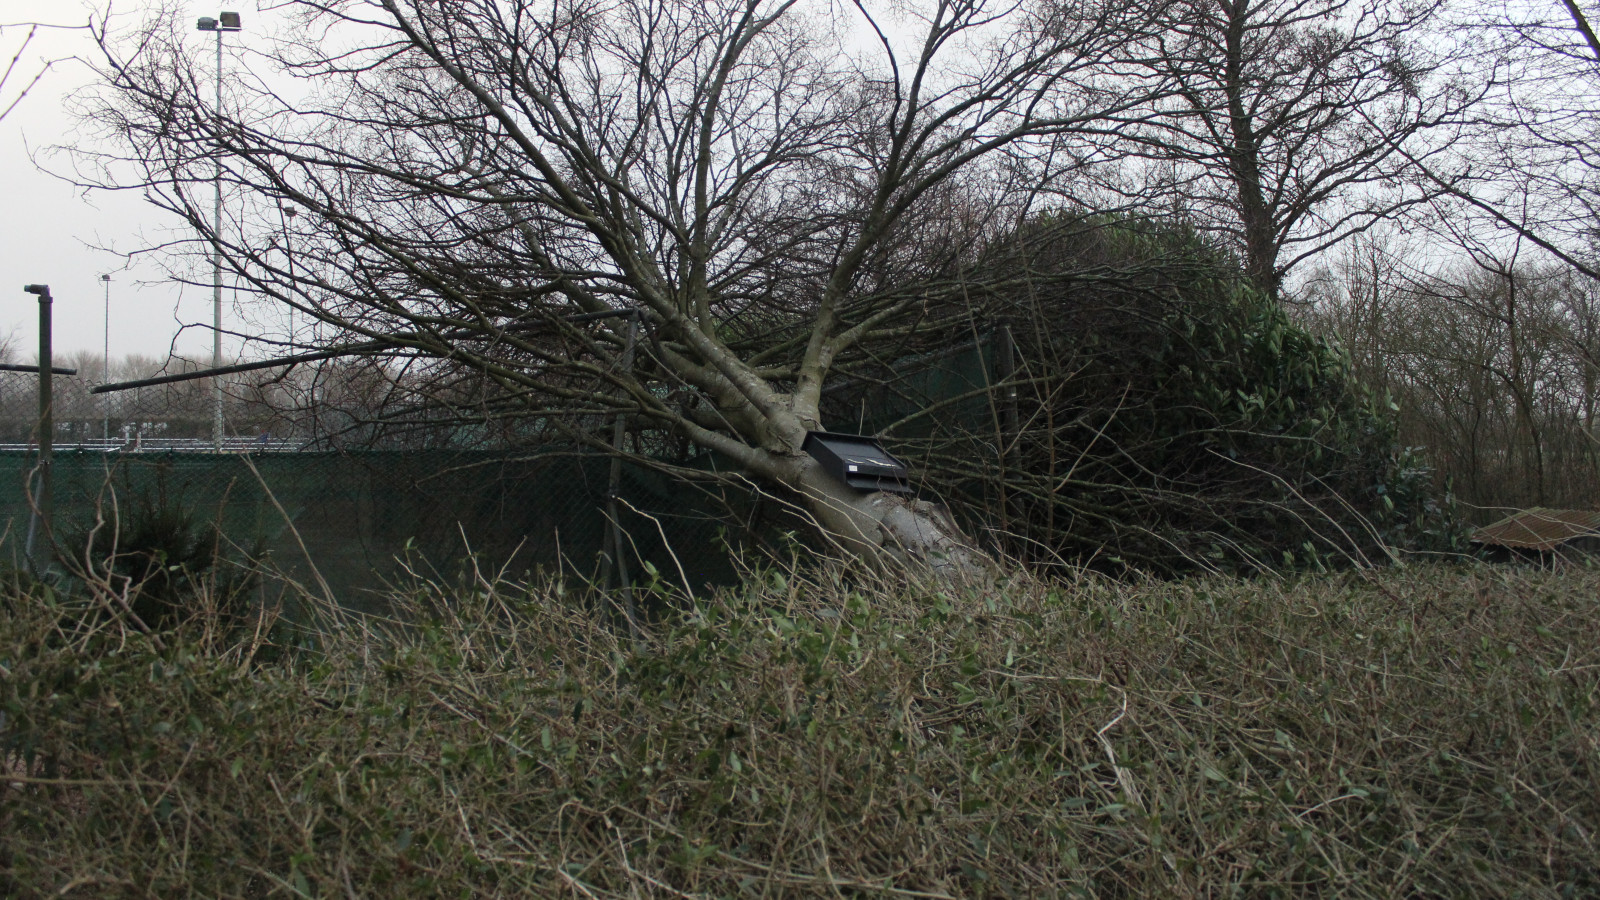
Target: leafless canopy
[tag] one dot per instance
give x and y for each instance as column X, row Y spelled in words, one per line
column 761, row 184
column 20, row 75
column 1293, row 125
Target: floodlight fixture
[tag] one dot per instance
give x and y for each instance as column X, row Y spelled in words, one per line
column 228, row 21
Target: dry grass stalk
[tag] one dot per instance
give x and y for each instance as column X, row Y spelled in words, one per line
column 1420, row 732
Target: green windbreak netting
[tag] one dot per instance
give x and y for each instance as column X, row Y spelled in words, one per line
column 354, row 518
column 918, row 396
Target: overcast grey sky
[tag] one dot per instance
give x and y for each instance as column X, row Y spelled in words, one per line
column 49, row 229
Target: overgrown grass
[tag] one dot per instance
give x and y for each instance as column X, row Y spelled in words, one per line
column 1413, row 733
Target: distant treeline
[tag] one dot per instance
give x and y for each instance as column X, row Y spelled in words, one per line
column 1494, row 365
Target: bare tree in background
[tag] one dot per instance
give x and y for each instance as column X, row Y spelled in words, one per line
column 1295, row 124
column 1531, row 165
column 21, row 76
column 12, row 86
column 1492, row 362
column 764, row 186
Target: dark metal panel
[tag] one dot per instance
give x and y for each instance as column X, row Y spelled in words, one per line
column 858, row 461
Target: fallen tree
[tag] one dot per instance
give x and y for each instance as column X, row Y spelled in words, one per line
column 730, row 198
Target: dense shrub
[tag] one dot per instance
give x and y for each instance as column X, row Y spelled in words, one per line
column 167, row 557
column 1168, row 417
column 1428, row 732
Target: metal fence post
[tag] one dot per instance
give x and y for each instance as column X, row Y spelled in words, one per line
column 619, row 430
column 46, row 419
column 1005, row 370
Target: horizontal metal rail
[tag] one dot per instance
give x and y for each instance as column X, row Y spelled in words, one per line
column 168, row 445
column 318, row 355
column 54, row 370
column 237, row 367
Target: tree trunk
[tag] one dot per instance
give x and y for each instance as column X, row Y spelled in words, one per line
column 891, row 530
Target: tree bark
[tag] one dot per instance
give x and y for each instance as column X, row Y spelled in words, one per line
column 890, row 529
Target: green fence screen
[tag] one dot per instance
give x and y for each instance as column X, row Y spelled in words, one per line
column 352, row 517
column 348, row 518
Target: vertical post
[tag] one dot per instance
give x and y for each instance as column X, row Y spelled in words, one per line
column 47, row 419
column 1005, row 365
column 216, row 271
column 47, row 425
column 228, row 21
column 1005, row 370
column 105, row 366
column 618, row 432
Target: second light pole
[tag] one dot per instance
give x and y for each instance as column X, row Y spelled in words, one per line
column 228, row 21
column 105, row 365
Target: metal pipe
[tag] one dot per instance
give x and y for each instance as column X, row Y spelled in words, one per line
column 348, row 350
column 228, row 21
column 105, row 362
column 216, row 270
column 55, row 370
column 46, row 418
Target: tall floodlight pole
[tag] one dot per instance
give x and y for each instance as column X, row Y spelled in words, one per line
column 105, row 364
column 228, row 21
column 286, row 216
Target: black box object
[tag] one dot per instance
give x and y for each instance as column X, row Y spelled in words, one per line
column 859, row 461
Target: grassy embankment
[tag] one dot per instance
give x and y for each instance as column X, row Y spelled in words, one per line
column 1431, row 731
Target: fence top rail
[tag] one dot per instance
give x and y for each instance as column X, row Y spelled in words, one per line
column 54, row 370
column 167, row 445
column 202, row 448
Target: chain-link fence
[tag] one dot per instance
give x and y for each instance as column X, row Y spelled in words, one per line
column 354, row 519
column 924, row 396
column 175, row 416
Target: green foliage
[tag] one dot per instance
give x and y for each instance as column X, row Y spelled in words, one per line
column 1172, row 417
column 813, row 735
